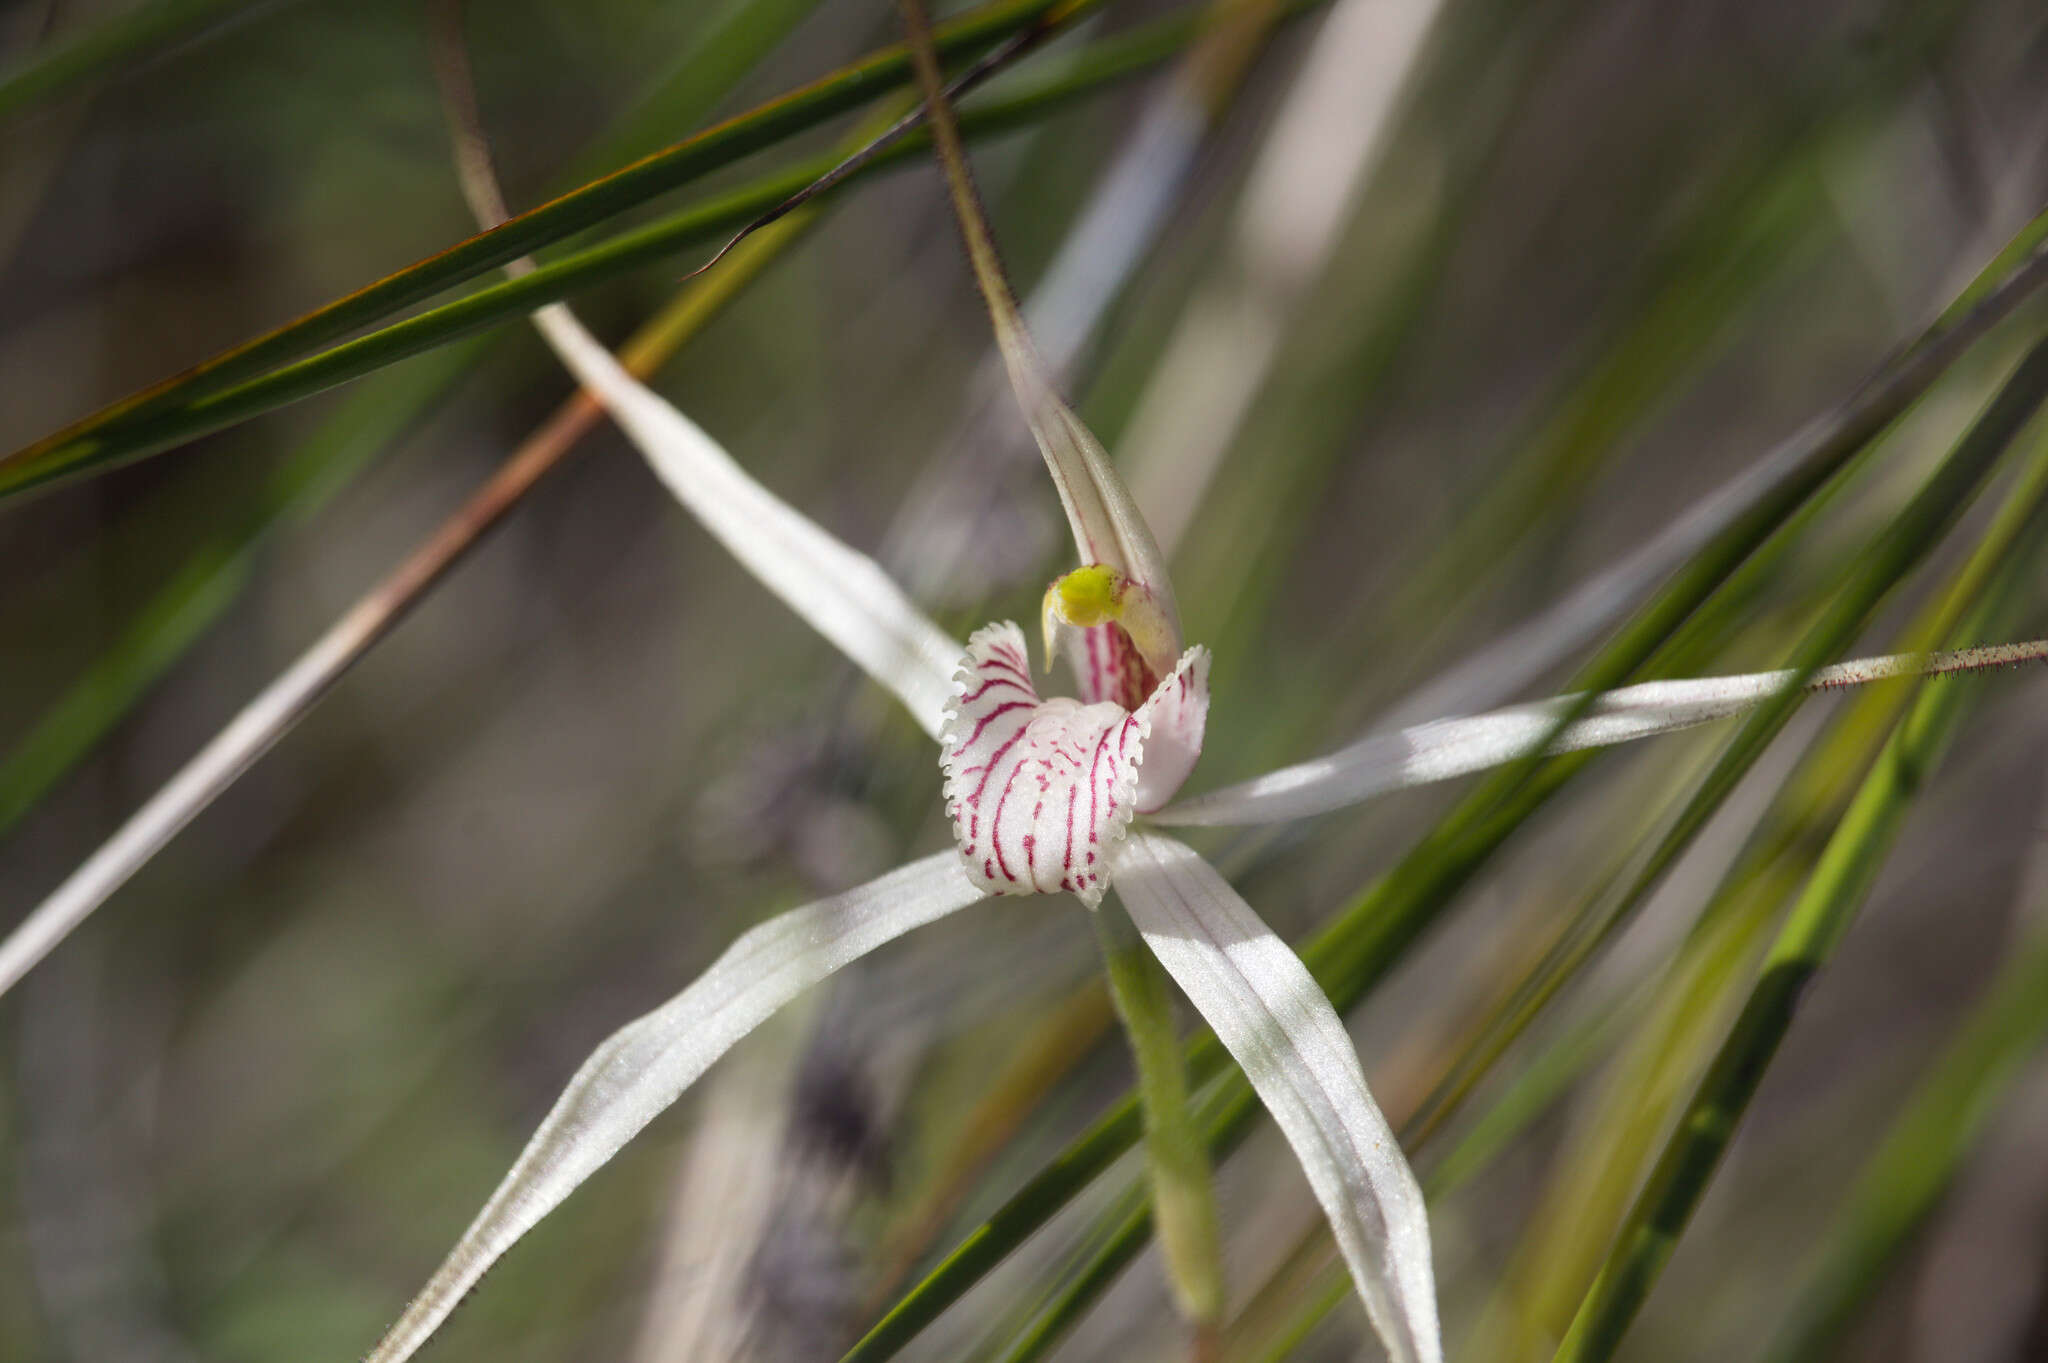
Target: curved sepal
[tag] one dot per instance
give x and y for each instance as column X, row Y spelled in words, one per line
column 841, row 593
column 1108, row 527
column 647, row 1064
column 1279, row 1026
column 1445, row 748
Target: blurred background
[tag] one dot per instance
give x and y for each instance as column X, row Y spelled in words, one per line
column 1405, row 317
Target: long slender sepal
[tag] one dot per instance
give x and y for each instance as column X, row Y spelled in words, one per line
column 645, row 1066
column 1282, row 1031
column 842, row 594
column 1444, row 748
column 1107, row 526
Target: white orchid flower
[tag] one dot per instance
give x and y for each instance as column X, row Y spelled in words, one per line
column 1042, row 794
column 1049, row 796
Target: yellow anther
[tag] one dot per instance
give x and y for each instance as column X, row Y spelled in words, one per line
column 1098, row 595
column 1091, row 595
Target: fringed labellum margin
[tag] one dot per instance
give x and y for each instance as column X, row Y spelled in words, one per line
column 1039, row 789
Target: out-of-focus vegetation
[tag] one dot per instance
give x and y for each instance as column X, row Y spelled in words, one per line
column 1606, row 257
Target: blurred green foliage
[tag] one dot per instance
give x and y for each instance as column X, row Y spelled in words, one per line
column 1609, row 257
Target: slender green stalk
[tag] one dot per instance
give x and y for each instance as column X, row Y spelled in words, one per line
column 1811, row 932
column 182, row 416
column 1807, row 800
column 1224, row 1115
column 1183, row 1190
column 1904, row 1180
column 1566, row 1238
column 121, row 430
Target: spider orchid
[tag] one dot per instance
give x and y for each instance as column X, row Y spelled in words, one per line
column 1042, row 793
column 1047, row 796
column 1062, row 795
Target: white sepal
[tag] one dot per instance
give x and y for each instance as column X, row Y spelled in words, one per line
column 842, row 594
column 1267, row 1010
column 1445, row 748
column 1107, row 525
column 644, row 1066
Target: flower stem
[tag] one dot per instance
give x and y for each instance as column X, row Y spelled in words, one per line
column 1183, row 1192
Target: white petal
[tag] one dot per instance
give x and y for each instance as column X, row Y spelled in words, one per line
column 1268, row 1012
column 1175, row 715
column 1445, row 748
column 842, row 594
column 645, row 1066
column 1038, row 789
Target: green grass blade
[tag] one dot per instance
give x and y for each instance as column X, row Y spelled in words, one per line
column 152, row 430
column 1183, row 1191
column 196, row 596
column 99, row 437
column 1921, row 1154
column 1816, row 924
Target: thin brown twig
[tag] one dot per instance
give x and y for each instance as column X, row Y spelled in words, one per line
column 258, row 726
column 980, row 70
